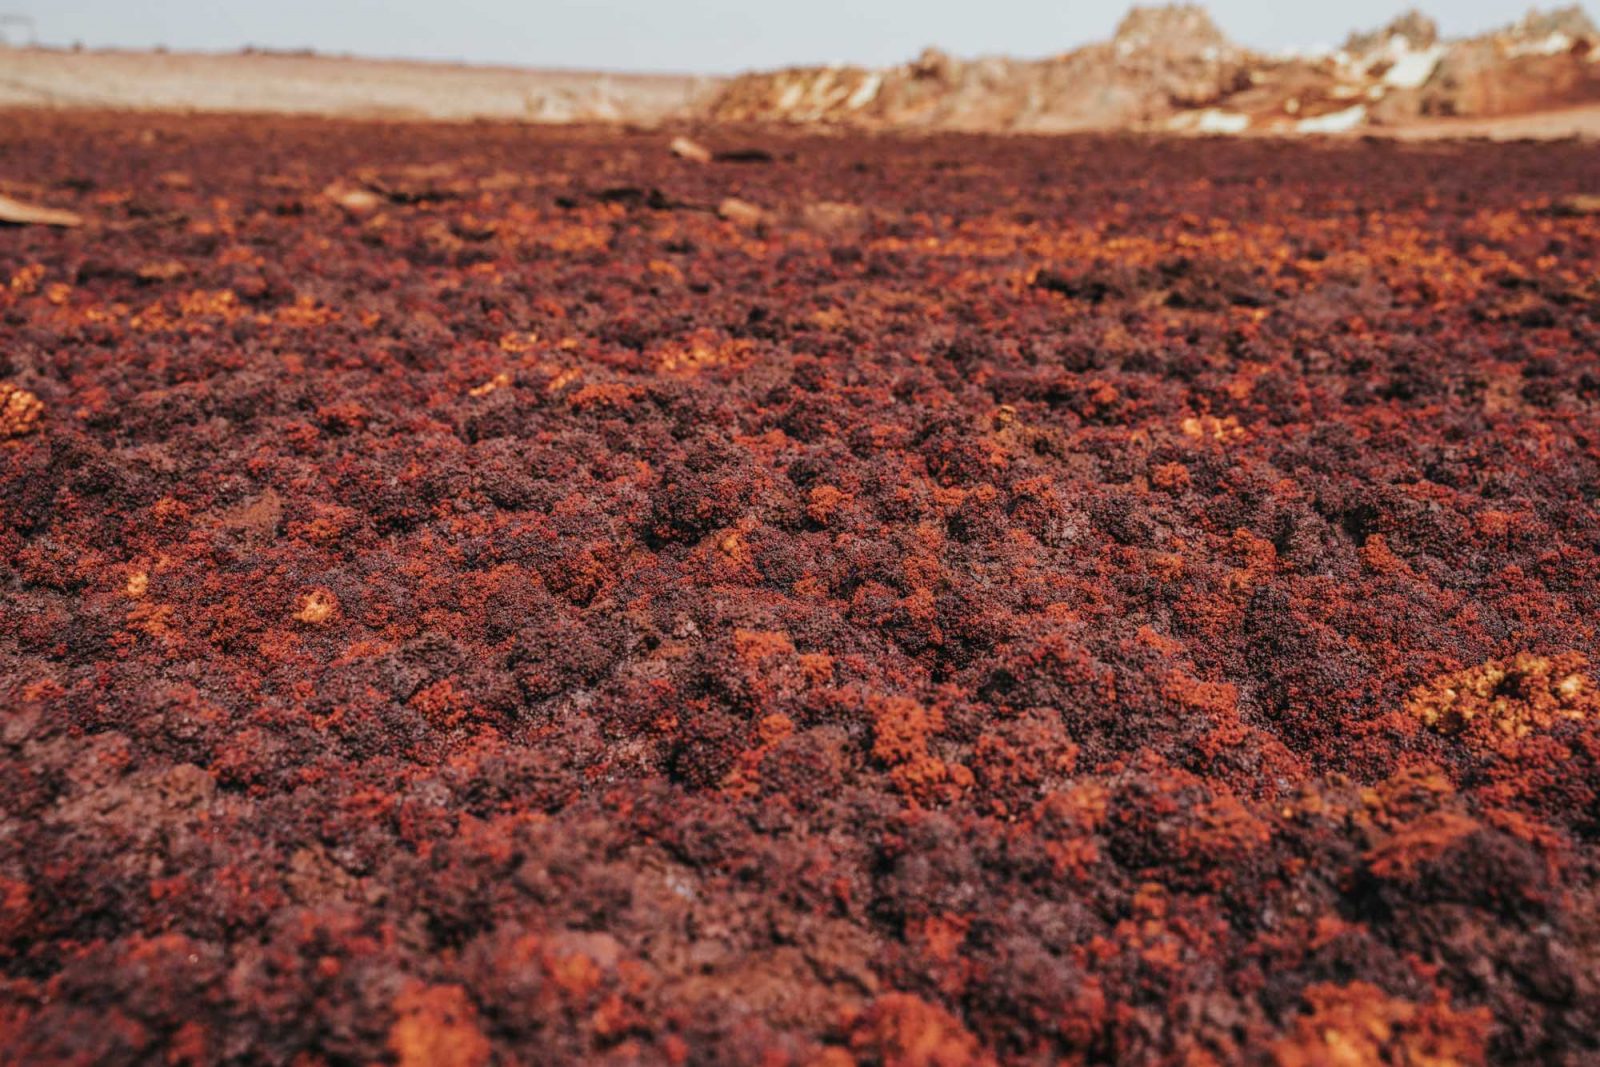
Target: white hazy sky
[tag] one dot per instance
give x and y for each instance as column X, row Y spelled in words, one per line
column 688, row 35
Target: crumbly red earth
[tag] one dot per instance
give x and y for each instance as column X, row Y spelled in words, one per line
column 1088, row 600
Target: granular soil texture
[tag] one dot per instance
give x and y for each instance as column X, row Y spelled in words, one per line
column 465, row 601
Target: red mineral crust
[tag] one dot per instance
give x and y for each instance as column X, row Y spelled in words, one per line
column 464, row 600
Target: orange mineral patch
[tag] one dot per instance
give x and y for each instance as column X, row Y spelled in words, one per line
column 436, row 1026
column 1357, row 1025
column 317, row 607
column 1511, row 698
column 20, row 411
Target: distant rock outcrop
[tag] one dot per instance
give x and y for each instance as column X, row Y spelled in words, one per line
column 1161, row 60
column 1546, row 60
column 1415, row 29
column 1174, row 30
column 1172, row 68
column 1572, row 22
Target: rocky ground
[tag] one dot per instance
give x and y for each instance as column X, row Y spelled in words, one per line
column 1171, row 69
column 472, row 594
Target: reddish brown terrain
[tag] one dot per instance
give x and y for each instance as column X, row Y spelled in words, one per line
column 476, row 594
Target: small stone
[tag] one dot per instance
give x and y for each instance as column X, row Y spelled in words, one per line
column 18, row 213
column 353, row 201
column 741, row 212
column 693, row 151
column 1579, row 205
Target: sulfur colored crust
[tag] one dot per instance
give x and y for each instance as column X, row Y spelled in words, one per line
column 1010, row 601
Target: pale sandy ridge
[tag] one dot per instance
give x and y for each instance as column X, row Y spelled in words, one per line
column 335, row 86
